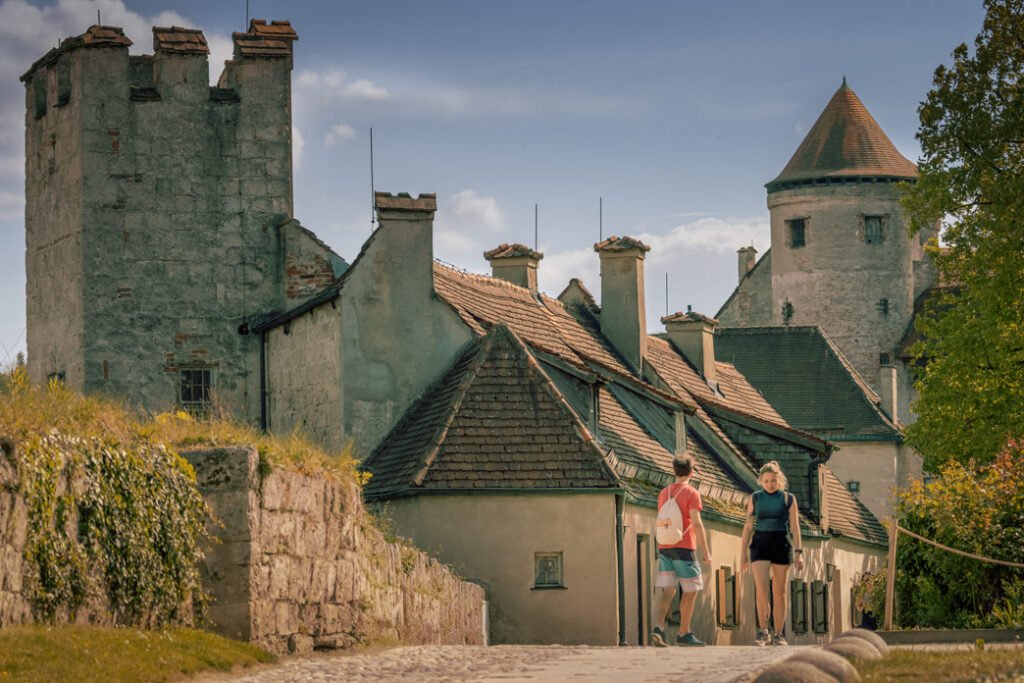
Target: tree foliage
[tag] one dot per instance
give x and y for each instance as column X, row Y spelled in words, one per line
column 978, row 509
column 971, row 356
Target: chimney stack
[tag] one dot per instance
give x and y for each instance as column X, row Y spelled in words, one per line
column 515, row 263
column 694, row 335
column 887, row 390
column 747, row 260
column 623, row 312
column 405, row 232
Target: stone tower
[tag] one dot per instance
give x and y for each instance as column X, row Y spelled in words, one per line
column 153, row 206
column 841, row 256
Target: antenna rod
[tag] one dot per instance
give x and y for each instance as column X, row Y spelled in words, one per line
column 600, row 219
column 246, row 15
column 373, row 194
column 535, row 227
column 99, row 22
column 666, row 293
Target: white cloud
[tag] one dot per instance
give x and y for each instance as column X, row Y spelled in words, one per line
column 338, row 133
column 466, row 226
column 715, row 235
column 477, row 211
column 222, row 48
column 298, row 145
column 334, row 83
column 364, row 89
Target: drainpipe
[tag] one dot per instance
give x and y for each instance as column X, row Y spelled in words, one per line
column 263, row 381
column 620, row 504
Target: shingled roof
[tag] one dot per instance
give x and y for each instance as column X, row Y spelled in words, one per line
column 807, row 378
column 494, row 421
column 179, row 40
column 847, row 516
column 95, row 36
column 263, row 39
column 845, row 142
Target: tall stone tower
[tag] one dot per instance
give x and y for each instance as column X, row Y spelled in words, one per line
column 152, row 210
column 841, row 256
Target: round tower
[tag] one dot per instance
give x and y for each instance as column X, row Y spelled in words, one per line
column 842, row 258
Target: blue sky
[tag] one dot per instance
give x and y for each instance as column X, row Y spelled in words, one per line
column 675, row 113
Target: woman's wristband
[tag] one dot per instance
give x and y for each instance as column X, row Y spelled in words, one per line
column 798, row 550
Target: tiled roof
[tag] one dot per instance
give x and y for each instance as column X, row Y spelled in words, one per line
column 494, row 421
column 802, row 373
column 845, row 141
column 512, row 251
column 265, row 40
column 180, row 40
column 542, row 322
column 688, row 316
column 848, row 517
column 614, row 243
column 95, row 36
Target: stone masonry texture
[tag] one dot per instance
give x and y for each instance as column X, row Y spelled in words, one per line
column 299, row 566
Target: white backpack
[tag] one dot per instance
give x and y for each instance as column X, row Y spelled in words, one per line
column 669, row 529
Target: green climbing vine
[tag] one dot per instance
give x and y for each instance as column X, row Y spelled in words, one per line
column 125, row 522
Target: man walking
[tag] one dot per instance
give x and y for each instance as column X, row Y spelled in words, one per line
column 677, row 562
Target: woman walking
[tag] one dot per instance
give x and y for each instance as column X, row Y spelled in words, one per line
column 772, row 516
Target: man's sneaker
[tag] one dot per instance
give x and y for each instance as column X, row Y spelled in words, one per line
column 779, row 639
column 689, row 640
column 658, row 637
column 763, row 638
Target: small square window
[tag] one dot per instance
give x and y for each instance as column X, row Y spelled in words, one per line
column 873, row 233
column 883, row 307
column 547, row 570
column 196, row 390
column 883, row 359
column 797, row 229
column 853, row 487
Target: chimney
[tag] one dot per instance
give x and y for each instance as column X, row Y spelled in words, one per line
column 694, row 335
column 515, row 263
column 747, row 260
column 405, row 233
column 888, row 392
column 623, row 314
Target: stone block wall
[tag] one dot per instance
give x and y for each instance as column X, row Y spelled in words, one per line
column 14, row 608
column 300, row 565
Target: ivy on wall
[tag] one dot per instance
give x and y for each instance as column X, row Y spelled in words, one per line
column 118, row 522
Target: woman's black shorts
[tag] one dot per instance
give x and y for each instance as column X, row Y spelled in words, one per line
column 771, row 546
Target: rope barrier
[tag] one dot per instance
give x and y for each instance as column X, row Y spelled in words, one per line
column 960, row 552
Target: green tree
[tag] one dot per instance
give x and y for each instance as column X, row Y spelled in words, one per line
column 970, row 361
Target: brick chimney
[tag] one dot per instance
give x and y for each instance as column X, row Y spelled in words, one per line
column 887, row 390
column 405, row 231
column 623, row 314
column 747, row 260
column 694, row 335
column 516, row 263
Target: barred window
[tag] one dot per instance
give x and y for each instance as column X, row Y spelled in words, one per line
column 547, row 570
column 797, row 229
column 196, row 390
column 725, row 597
column 798, row 604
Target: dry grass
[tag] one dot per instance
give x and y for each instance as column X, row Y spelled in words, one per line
column 26, row 411
column 38, row 654
column 990, row 664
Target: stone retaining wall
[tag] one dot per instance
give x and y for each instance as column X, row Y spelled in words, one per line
column 14, row 608
column 300, row 565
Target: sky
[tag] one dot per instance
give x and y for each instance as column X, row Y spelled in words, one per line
column 670, row 116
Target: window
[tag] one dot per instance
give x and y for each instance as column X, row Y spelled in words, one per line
column 883, row 307
column 883, row 359
column 547, row 570
column 63, row 82
column 797, row 229
column 725, row 597
column 873, row 230
column 39, row 86
column 196, row 390
column 787, row 312
column 853, row 487
column 798, row 603
column 819, row 606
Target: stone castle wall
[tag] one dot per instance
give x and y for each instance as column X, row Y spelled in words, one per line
column 14, row 608
column 299, row 566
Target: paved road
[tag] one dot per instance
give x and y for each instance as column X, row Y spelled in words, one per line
column 523, row 664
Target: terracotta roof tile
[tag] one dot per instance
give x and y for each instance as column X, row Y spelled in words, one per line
column 614, row 243
column 845, row 141
column 180, row 40
column 512, row 251
column 848, row 516
column 95, row 36
column 265, row 40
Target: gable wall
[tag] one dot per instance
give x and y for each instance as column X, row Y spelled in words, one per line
column 751, row 305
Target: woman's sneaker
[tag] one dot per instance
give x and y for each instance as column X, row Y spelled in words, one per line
column 779, row 639
column 689, row 640
column 658, row 637
column 763, row 638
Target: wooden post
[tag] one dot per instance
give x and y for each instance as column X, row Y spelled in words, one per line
column 890, row 578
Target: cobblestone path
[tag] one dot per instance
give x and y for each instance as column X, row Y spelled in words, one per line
column 522, row 664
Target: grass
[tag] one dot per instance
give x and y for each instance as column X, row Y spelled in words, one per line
column 38, row 654
column 994, row 664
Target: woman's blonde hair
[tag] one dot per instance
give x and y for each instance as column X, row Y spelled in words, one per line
column 772, row 467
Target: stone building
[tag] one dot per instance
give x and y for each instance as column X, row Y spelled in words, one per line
column 157, row 215
column 841, row 257
column 521, row 437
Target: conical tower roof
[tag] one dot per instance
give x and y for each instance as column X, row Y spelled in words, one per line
column 845, row 143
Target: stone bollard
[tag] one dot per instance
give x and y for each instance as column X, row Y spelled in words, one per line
column 829, row 662
column 789, row 671
column 870, row 636
column 853, row 648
